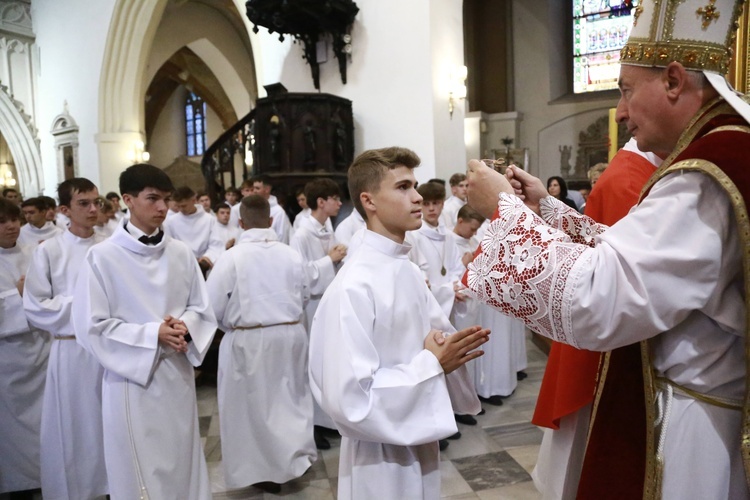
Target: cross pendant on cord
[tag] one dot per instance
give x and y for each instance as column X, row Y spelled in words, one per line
column 709, row 13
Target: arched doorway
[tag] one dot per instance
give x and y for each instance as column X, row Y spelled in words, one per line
column 23, row 145
column 132, row 55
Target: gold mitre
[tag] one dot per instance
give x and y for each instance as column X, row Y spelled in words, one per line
column 696, row 33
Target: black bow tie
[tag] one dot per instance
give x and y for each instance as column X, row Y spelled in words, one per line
column 152, row 240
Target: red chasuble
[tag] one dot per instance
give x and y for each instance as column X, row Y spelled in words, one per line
column 570, row 377
column 620, row 456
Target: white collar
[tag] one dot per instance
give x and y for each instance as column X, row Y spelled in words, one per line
column 385, row 245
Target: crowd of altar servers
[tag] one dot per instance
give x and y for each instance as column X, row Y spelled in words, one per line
column 50, row 406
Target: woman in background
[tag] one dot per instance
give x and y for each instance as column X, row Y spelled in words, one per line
column 557, row 187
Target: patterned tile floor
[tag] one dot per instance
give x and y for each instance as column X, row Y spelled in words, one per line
column 492, row 460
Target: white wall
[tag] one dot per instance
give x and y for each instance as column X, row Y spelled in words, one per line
column 168, row 137
column 400, row 52
column 71, row 37
column 447, row 50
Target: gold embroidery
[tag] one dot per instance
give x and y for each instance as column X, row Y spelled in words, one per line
column 695, row 56
column 743, row 224
column 730, row 128
column 709, row 13
column 652, row 488
column 638, row 12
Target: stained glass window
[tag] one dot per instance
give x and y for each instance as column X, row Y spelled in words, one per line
column 195, row 133
column 600, row 30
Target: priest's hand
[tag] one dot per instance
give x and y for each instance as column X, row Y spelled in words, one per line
column 527, row 187
column 455, row 350
column 172, row 334
column 229, row 244
column 19, row 285
column 485, row 184
column 206, row 262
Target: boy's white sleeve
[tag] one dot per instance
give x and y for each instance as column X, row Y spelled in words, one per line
column 127, row 349
column 461, row 388
column 320, row 272
column 12, row 317
column 215, row 243
column 45, row 309
column 198, row 317
column 220, row 284
column 406, row 404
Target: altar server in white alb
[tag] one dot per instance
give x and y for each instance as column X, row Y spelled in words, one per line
column 23, row 363
column 348, row 227
column 455, row 201
column 142, row 310
column 281, row 224
column 463, row 236
column 194, row 227
column 375, row 363
column 106, row 222
column 246, row 189
column 442, row 259
column 316, row 242
column 72, row 448
column 226, row 232
column 37, row 227
column 322, row 255
column 302, row 202
column 494, row 373
column 306, row 211
column 257, row 290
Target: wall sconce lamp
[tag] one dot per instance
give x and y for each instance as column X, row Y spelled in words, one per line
column 6, row 176
column 457, row 89
column 138, row 154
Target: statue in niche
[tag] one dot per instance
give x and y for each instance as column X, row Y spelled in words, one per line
column 310, row 148
column 340, row 145
column 69, row 168
column 565, row 154
column 274, row 142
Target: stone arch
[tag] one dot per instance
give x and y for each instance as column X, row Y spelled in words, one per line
column 122, row 84
column 129, row 40
column 24, row 146
column 131, row 33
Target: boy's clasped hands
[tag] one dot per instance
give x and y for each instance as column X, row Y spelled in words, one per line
column 457, row 349
column 172, row 334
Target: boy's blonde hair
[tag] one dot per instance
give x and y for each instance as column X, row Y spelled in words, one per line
column 369, row 168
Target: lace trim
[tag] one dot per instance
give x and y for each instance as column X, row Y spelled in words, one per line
column 523, row 269
column 580, row 228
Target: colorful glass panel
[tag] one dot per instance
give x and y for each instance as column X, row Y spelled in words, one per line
column 600, row 29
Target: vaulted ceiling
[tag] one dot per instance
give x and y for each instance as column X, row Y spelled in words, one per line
column 186, row 68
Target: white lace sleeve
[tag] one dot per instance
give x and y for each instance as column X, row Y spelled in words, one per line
column 579, row 227
column 523, row 267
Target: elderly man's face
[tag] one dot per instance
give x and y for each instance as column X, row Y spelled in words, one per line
column 645, row 108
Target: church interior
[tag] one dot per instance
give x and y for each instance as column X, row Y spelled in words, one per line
column 214, row 91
